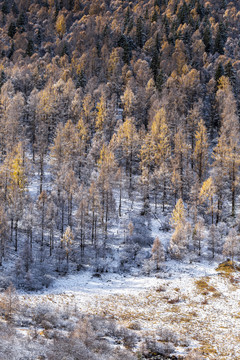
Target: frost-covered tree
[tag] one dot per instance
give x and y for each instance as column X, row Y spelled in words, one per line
column 231, row 246
column 201, row 151
column 214, row 239
column 227, row 151
column 179, row 239
column 67, row 242
column 16, row 188
column 198, row 235
column 207, row 195
column 158, row 254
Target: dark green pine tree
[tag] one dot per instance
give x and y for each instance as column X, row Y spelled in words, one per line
column 200, row 9
column 154, row 16
column 220, row 40
column 229, row 72
column 70, row 5
column 81, row 80
column 5, row 11
column 158, row 3
column 15, row 10
column 64, row 50
column 127, row 18
column 11, row 51
column 139, row 32
column 61, row 4
column 154, row 65
column 160, row 80
column 21, row 22
column 219, row 72
column 12, row 29
column 123, row 42
column 30, row 48
column 146, row 15
column 166, row 25
column 207, row 39
column 183, row 13
column 5, row 7
column 3, row 78
column 38, row 38
column 223, row 4
column 127, row 53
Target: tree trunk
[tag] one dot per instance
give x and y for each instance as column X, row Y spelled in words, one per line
column 41, row 173
column 16, row 235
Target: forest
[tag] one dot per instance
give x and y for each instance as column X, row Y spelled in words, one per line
column 109, row 103
column 119, row 154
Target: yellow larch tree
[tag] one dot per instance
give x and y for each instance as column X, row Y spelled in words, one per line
column 201, row 150
column 67, row 241
column 178, row 242
column 127, row 140
column 17, row 187
column 101, row 114
column 61, row 25
column 226, row 154
column 179, row 163
column 107, row 171
column 207, row 194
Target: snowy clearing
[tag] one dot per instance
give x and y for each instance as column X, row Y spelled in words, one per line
column 196, row 302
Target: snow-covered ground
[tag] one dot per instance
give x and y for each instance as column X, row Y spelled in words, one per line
column 206, row 318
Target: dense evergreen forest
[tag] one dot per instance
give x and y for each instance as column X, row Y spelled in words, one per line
column 109, row 104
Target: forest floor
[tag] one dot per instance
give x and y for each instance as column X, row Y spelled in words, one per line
column 196, row 302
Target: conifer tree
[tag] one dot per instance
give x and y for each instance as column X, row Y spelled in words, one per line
column 128, row 100
column 101, row 114
column 42, row 200
column 201, row 151
column 17, row 188
column 61, row 25
column 179, row 163
column 94, row 206
column 82, row 220
column 213, row 239
column 127, row 141
column 198, row 235
column 158, row 255
column 107, row 169
column 178, row 242
column 231, row 246
column 227, row 152
column 67, row 241
column 207, row 195
column 161, row 152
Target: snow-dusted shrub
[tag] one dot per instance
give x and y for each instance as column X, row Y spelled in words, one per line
column 47, row 280
column 150, row 346
column 194, row 355
column 64, row 348
column 127, row 337
column 167, row 335
column 4, row 282
column 43, row 312
column 165, row 224
column 222, row 228
column 134, row 325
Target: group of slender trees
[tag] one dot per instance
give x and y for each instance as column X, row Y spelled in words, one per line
column 103, row 103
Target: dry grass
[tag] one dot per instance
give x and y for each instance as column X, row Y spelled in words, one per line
column 175, row 306
column 228, row 267
column 203, row 286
